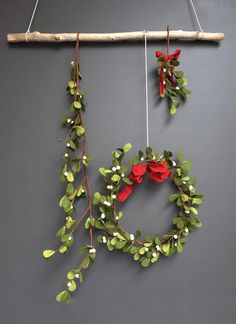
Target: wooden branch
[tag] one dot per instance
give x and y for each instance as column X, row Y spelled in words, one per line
column 113, row 37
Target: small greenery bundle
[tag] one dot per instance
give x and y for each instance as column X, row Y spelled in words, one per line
column 75, row 174
column 172, row 82
column 159, row 168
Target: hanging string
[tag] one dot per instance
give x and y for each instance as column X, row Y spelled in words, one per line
column 146, row 87
column 32, row 17
column 196, row 16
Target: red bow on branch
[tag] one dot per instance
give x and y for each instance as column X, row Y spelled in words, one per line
column 157, row 171
column 166, row 57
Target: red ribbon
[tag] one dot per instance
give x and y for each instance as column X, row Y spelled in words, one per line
column 166, row 57
column 157, row 171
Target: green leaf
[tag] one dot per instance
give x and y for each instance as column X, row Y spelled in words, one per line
column 75, row 166
column 179, row 248
column 71, row 275
column 79, row 130
column 180, row 224
column 72, row 286
column 194, row 210
column 173, row 197
column 70, row 177
column 180, row 156
column 86, row 262
column 184, row 197
column 71, row 84
column 48, row 253
column 172, row 109
column 127, row 147
column 64, row 202
column 77, row 104
column 63, row 249
column 145, row 262
column 128, row 181
column 120, row 244
column 197, row 201
column 70, row 189
column 62, row 296
column 104, row 171
column 115, row 177
column 166, row 248
column 148, row 150
column 96, row 198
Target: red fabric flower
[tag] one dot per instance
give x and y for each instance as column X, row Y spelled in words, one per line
column 158, row 171
column 125, row 193
column 137, row 172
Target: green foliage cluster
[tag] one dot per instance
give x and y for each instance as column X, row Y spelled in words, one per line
column 74, row 174
column 175, row 83
column 148, row 250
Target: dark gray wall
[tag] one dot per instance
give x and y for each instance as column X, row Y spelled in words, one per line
column 196, row 287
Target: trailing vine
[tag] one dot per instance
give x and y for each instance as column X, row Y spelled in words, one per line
column 75, row 174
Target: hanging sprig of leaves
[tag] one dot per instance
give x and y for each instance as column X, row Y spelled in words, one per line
column 75, row 174
column 172, row 82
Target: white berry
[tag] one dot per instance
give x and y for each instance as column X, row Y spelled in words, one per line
column 68, row 144
column 72, row 62
column 122, row 175
column 117, row 217
column 76, row 275
column 175, row 236
column 113, row 196
column 115, row 234
column 131, row 237
column 173, row 163
column 68, row 284
column 66, row 155
column 142, row 158
column 118, row 167
column 164, row 70
column 104, row 239
column 154, row 254
column 72, row 122
column 158, row 247
column 82, row 190
column 190, row 187
column 186, row 211
column 84, row 157
column 184, row 182
column 65, row 173
column 177, row 88
column 186, row 230
column 70, row 238
column 176, row 243
column 68, row 120
column 146, row 249
column 103, row 216
column 114, row 169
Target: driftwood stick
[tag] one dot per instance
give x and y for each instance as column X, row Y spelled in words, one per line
column 113, row 37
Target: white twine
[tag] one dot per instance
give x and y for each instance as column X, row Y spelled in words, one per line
column 32, row 17
column 146, row 87
column 196, row 16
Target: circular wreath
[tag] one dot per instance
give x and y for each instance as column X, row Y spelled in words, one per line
column 119, row 185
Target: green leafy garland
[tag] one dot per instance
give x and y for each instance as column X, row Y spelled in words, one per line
column 75, row 174
column 114, row 235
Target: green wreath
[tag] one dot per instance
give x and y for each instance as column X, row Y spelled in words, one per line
column 119, row 186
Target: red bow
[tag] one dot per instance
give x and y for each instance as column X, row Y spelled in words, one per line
column 166, row 57
column 157, row 171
